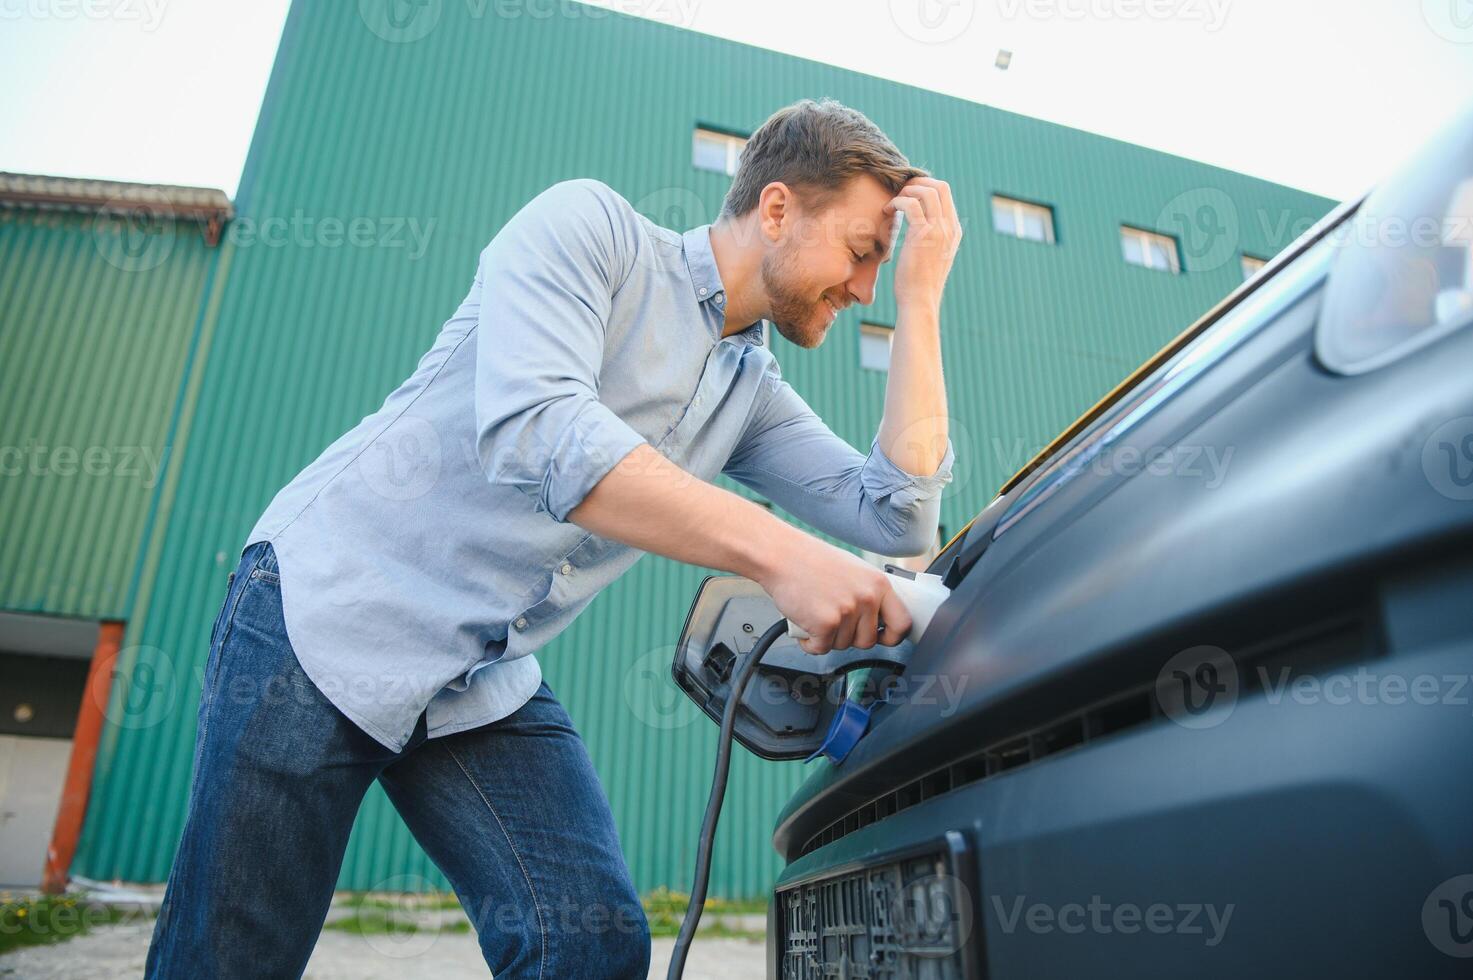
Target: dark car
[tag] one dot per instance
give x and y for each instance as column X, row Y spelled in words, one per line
column 1199, row 703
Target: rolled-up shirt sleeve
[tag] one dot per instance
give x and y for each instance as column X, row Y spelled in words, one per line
column 789, row 455
column 547, row 281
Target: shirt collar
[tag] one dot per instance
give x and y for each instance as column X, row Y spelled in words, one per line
column 705, row 280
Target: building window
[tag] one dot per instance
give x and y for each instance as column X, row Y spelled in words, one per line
column 874, row 346
column 1021, row 219
column 1251, row 265
column 718, row 152
column 1148, row 249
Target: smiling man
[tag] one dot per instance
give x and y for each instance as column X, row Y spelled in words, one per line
column 382, row 620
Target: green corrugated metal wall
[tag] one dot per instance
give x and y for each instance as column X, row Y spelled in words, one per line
column 455, row 131
column 94, row 335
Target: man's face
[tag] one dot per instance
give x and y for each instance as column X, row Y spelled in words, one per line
column 827, row 260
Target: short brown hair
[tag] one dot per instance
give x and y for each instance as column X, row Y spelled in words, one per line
column 815, row 148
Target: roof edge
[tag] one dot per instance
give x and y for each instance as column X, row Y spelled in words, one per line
column 42, row 192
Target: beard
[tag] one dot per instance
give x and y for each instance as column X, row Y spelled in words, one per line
column 800, row 320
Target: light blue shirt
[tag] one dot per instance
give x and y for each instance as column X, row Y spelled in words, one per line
column 427, row 553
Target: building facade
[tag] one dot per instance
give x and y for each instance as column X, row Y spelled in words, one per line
column 385, row 157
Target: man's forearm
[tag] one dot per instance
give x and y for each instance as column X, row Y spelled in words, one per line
column 913, row 432
column 650, row 503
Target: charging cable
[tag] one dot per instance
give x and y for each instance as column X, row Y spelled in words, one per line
column 922, row 594
column 739, row 678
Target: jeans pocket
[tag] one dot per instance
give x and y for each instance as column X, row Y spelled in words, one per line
column 266, row 570
column 219, row 635
column 220, row 616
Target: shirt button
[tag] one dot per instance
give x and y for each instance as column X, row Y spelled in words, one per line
column 521, row 623
column 703, row 290
column 567, row 568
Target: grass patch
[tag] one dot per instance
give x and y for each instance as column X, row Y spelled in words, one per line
column 393, row 922
column 380, row 914
column 49, row 919
column 406, row 915
column 665, row 909
column 426, row 900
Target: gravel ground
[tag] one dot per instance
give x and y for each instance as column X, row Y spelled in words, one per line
column 117, row 952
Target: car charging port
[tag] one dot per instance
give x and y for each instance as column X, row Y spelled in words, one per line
column 718, row 661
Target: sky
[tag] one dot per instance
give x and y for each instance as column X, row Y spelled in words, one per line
column 1322, row 95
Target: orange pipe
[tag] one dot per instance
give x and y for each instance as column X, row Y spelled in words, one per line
column 85, row 739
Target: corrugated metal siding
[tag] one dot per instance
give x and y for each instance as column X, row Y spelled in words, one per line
column 95, row 322
column 459, row 129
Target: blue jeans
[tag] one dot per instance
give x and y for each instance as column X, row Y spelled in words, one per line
column 512, row 813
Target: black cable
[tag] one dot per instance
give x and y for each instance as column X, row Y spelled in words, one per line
column 739, row 679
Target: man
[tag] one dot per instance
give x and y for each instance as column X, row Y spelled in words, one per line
column 600, row 371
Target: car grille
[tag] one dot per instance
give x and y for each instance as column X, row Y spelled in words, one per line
column 908, row 919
